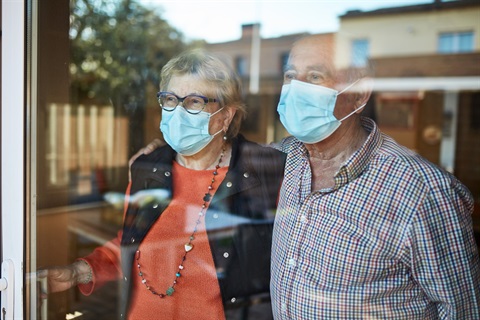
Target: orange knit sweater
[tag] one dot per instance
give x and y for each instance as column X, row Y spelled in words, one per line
column 197, row 293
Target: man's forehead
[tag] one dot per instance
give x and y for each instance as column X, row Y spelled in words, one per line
column 312, row 50
column 310, row 67
column 309, row 59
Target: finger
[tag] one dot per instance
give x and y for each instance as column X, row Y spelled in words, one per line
column 135, row 156
column 149, row 148
column 42, row 273
column 152, row 146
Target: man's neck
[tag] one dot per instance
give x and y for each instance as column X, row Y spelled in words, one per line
column 326, row 157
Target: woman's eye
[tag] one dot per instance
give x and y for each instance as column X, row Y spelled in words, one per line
column 196, row 101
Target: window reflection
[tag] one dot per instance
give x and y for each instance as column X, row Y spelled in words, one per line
column 99, row 63
column 84, row 144
column 452, row 42
column 360, row 52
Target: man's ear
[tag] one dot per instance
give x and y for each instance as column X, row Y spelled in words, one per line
column 365, row 86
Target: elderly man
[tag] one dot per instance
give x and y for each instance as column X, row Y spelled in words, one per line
column 365, row 228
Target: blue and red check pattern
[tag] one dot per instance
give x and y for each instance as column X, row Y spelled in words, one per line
column 392, row 240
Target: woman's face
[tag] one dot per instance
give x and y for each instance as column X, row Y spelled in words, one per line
column 183, row 85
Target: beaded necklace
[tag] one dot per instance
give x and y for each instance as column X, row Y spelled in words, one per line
column 189, row 245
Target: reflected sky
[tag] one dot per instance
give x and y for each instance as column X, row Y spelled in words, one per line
column 220, row 21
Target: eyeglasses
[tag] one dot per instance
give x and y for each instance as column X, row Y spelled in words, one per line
column 193, row 103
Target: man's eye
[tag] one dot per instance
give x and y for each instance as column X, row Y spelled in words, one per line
column 316, row 76
column 289, row 76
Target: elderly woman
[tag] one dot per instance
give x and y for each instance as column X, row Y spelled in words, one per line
column 198, row 244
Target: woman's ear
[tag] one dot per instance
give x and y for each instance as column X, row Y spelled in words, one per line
column 229, row 114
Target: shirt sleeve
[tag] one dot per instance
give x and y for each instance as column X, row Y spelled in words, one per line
column 444, row 255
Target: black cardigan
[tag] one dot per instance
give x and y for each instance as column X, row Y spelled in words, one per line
column 250, row 190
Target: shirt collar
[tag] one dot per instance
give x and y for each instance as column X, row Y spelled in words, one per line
column 357, row 163
column 361, row 159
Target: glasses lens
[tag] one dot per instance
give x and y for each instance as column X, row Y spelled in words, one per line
column 193, row 103
column 167, row 101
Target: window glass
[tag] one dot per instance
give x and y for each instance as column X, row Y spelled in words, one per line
column 465, row 42
column 446, row 43
column 97, row 78
column 360, row 52
column 283, row 61
column 451, row 42
column 241, row 65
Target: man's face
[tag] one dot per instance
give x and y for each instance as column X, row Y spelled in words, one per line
column 308, row 62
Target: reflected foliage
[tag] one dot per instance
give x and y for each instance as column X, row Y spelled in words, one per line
column 117, row 51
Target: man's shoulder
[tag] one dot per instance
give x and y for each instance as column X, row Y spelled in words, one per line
column 288, row 144
column 411, row 165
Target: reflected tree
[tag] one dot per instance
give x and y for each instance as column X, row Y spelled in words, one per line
column 117, row 51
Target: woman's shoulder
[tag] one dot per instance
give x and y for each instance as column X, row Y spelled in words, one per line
column 257, row 147
column 163, row 154
column 260, row 154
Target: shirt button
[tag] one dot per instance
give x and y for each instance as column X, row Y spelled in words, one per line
column 292, row 262
column 132, row 240
column 246, row 174
column 233, row 299
column 226, row 255
column 303, row 218
column 215, row 216
column 229, row 184
column 167, row 173
column 154, row 169
column 283, row 307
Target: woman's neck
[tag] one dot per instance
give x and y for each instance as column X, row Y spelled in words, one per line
column 207, row 159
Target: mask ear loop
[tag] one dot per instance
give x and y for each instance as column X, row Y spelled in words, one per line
column 212, row 114
column 348, row 115
column 345, row 89
column 349, row 86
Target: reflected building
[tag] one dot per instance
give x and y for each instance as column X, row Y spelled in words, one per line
column 426, row 61
column 426, row 64
column 261, row 61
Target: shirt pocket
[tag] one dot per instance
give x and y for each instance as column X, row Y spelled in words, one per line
column 343, row 254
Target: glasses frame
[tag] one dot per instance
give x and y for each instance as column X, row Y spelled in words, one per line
column 180, row 100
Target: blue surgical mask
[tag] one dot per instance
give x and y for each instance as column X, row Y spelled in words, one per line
column 306, row 110
column 186, row 133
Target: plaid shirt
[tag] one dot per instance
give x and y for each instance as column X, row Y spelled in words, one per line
column 392, row 239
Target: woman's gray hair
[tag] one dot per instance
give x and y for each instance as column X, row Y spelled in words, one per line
column 212, row 70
